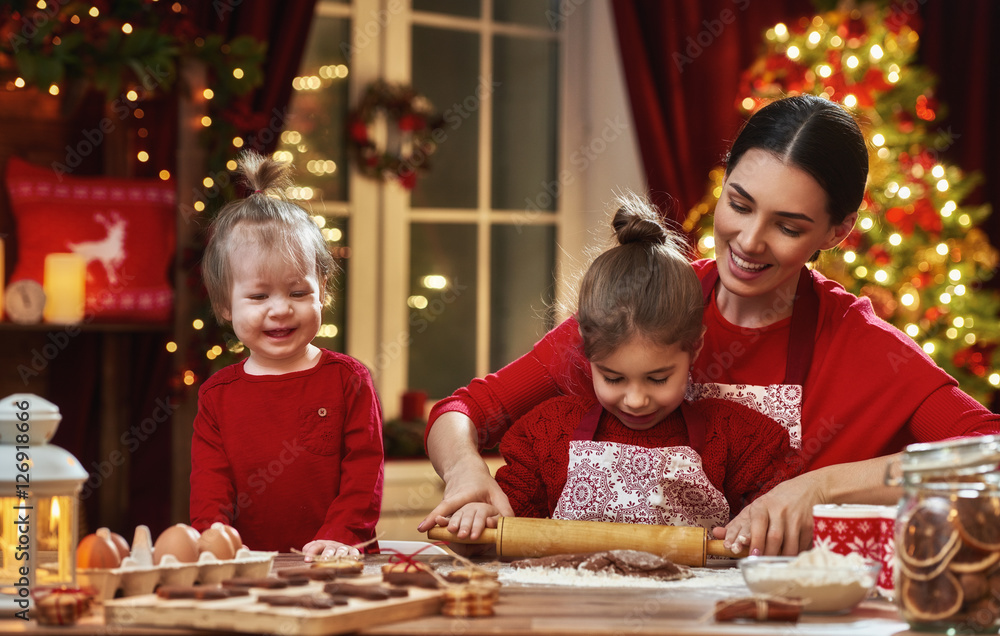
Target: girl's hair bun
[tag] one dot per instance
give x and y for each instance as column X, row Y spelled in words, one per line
column 635, row 226
column 263, row 174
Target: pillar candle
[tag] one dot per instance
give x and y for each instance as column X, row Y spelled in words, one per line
column 413, row 406
column 2, row 278
column 64, row 282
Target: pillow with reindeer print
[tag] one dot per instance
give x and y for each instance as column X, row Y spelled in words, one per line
column 123, row 229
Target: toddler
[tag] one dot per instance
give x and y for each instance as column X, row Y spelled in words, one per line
column 287, row 444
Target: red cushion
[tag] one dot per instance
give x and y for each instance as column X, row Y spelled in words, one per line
column 123, row 228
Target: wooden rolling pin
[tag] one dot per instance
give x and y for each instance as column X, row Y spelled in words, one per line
column 526, row 537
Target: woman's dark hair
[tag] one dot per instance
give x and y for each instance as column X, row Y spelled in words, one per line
column 814, row 135
column 645, row 286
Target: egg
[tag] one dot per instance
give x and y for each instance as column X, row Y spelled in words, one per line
column 179, row 541
column 217, row 541
column 97, row 551
column 121, row 544
column 234, row 535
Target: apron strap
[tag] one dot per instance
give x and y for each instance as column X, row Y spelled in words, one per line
column 802, row 331
column 588, row 424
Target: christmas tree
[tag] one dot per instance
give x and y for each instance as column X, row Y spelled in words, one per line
column 916, row 251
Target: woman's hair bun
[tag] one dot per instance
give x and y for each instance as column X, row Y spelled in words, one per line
column 636, row 225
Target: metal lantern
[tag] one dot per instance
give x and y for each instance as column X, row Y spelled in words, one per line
column 39, row 488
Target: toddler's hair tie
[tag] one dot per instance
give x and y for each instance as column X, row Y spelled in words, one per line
column 257, row 191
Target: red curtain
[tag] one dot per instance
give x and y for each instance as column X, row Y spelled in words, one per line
column 682, row 63
column 968, row 88
column 284, row 25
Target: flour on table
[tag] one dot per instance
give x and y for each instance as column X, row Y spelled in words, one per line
column 702, row 578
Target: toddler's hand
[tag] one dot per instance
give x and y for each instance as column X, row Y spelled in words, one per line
column 326, row 548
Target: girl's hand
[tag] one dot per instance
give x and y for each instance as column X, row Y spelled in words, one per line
column 778, row 522
column 476, row 487
column 470, row 519
column 326, row 549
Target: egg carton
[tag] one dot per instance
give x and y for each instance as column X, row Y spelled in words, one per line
column 138, row 575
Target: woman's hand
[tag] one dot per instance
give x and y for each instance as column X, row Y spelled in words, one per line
column 325, row 549
column 778, row 522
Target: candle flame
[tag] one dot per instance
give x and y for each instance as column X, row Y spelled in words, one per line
column 54, row 515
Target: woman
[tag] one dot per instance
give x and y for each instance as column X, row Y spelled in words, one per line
column 849, row 388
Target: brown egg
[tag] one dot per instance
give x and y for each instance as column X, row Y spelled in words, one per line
column 234, row 535
column 180, row 541
column 96, row 551
column 121, row 544
column 217, row 541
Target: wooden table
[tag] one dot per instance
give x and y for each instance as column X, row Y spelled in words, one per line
column 580, row 611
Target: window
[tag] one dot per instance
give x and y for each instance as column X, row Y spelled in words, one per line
column 457, row 277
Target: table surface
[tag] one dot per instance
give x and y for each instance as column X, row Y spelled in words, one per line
column 580, row 611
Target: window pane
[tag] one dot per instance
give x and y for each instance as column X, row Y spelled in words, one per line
column 543, row 13
column 522, row 286
column 466, row 8
column 333, row 333
column 446, row 71
column 442, row 308
column 313, row 138
column 525, row 138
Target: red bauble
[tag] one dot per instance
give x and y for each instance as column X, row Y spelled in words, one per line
column 408, row 179
column 358, row 131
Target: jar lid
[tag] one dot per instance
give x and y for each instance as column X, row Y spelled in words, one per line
column 967, row 455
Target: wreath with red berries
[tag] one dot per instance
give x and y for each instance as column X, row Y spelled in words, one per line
column 412, row 133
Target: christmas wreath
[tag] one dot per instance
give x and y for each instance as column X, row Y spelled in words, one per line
column 411, row 133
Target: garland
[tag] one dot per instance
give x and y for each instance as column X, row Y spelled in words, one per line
column 413, row 135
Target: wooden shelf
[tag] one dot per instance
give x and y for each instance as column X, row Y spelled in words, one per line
column 109, row 327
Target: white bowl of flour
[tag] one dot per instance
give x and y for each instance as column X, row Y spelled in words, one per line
column 825, row 582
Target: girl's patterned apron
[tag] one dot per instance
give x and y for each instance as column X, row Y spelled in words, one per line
column 608, row 481
column 780, row 402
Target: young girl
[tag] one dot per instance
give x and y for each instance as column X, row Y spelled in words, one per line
column 635, row 451
column 287, row 444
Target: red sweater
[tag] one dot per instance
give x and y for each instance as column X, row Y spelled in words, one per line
column 870, row 390
column 742, row 451
column 286, row 459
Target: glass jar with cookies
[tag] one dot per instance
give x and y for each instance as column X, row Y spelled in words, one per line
column 948, row 536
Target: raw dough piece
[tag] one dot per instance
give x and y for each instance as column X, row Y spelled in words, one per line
column 624, row 562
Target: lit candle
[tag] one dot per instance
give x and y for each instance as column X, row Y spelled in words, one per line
column 65, row 278
column 54, row 516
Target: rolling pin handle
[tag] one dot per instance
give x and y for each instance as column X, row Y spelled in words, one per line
column 715, row 547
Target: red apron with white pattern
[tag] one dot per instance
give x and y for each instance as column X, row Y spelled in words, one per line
column 780, row 402
column 609, row 481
